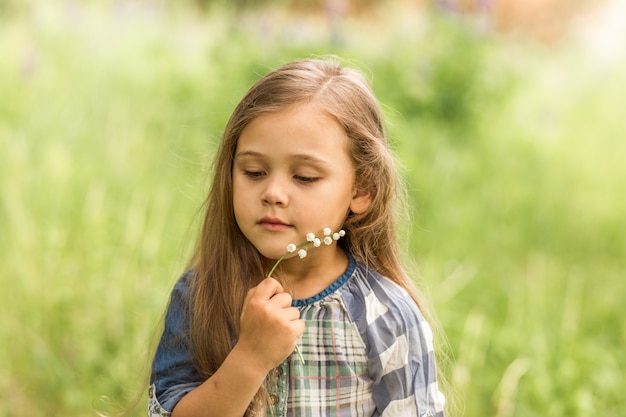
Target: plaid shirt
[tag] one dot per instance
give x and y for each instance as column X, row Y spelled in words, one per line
column 367, row 352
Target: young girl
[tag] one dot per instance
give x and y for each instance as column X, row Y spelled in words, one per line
column 337, row 332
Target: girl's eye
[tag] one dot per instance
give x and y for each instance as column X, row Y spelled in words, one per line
column 253, row 174
column 304, row 179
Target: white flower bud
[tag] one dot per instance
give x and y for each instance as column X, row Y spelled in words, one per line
column 327, row 231
column 317, row 242
column 302, row 253
column 291, row 248
column 310, row 237
column 336, row 236
column 328, row 240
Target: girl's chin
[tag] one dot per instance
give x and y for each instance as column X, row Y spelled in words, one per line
column 274, row 254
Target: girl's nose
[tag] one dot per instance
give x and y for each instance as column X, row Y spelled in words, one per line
column 275, row 193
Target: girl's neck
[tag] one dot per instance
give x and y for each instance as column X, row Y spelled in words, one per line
column 304, row 278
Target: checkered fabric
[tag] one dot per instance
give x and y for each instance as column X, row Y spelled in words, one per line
column 367, row 351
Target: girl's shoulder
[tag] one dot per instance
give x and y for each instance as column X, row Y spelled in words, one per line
column 372, row 285
column 178, row 306
column 369, row 296
column 385, row 313
column 182, row 286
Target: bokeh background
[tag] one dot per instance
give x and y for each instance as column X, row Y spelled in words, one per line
column 508, row 118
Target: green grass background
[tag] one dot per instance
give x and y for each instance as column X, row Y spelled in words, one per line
column 512, row 151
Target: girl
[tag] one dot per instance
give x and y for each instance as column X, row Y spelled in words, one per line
column 338, row 332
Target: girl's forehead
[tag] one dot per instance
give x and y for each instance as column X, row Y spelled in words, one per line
column 298, row 122
column 302, row 132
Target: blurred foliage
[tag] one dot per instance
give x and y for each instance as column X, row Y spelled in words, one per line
column 315, row 5
column 511, row 153
column 432, row 84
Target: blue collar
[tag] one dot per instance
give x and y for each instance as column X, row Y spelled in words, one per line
column 332, row 287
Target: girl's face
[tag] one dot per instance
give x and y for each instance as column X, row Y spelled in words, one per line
column 292, row 175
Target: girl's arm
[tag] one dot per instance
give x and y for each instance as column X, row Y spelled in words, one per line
column 270, row 328
column 228, row 392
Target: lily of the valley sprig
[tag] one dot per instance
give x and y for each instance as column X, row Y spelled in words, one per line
column 327, row 239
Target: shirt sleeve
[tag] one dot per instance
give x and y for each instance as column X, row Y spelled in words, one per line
column 173, row 373
column 401, row 355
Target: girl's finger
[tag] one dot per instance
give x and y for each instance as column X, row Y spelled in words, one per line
column 292, row 314
column 282, row 300
column 267, row 288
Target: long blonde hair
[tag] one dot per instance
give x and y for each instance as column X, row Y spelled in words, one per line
column 225, row 265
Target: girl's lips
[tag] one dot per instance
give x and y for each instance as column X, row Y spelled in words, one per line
column 273, row 224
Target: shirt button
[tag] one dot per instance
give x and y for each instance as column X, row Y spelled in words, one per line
column 273, row 399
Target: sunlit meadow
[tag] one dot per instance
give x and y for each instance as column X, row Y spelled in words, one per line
column 512, row 152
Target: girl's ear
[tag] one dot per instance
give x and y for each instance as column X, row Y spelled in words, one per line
column 361, row 201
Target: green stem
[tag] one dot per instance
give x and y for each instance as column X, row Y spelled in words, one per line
column 276, row 264
column 299, row 354
column 270, row 274
column 300, row 246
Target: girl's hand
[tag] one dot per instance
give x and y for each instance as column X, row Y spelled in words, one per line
column 269, row 325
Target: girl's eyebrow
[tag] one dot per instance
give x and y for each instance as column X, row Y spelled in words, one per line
column 300, row 157
column 248, row 153
column 310, row 158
